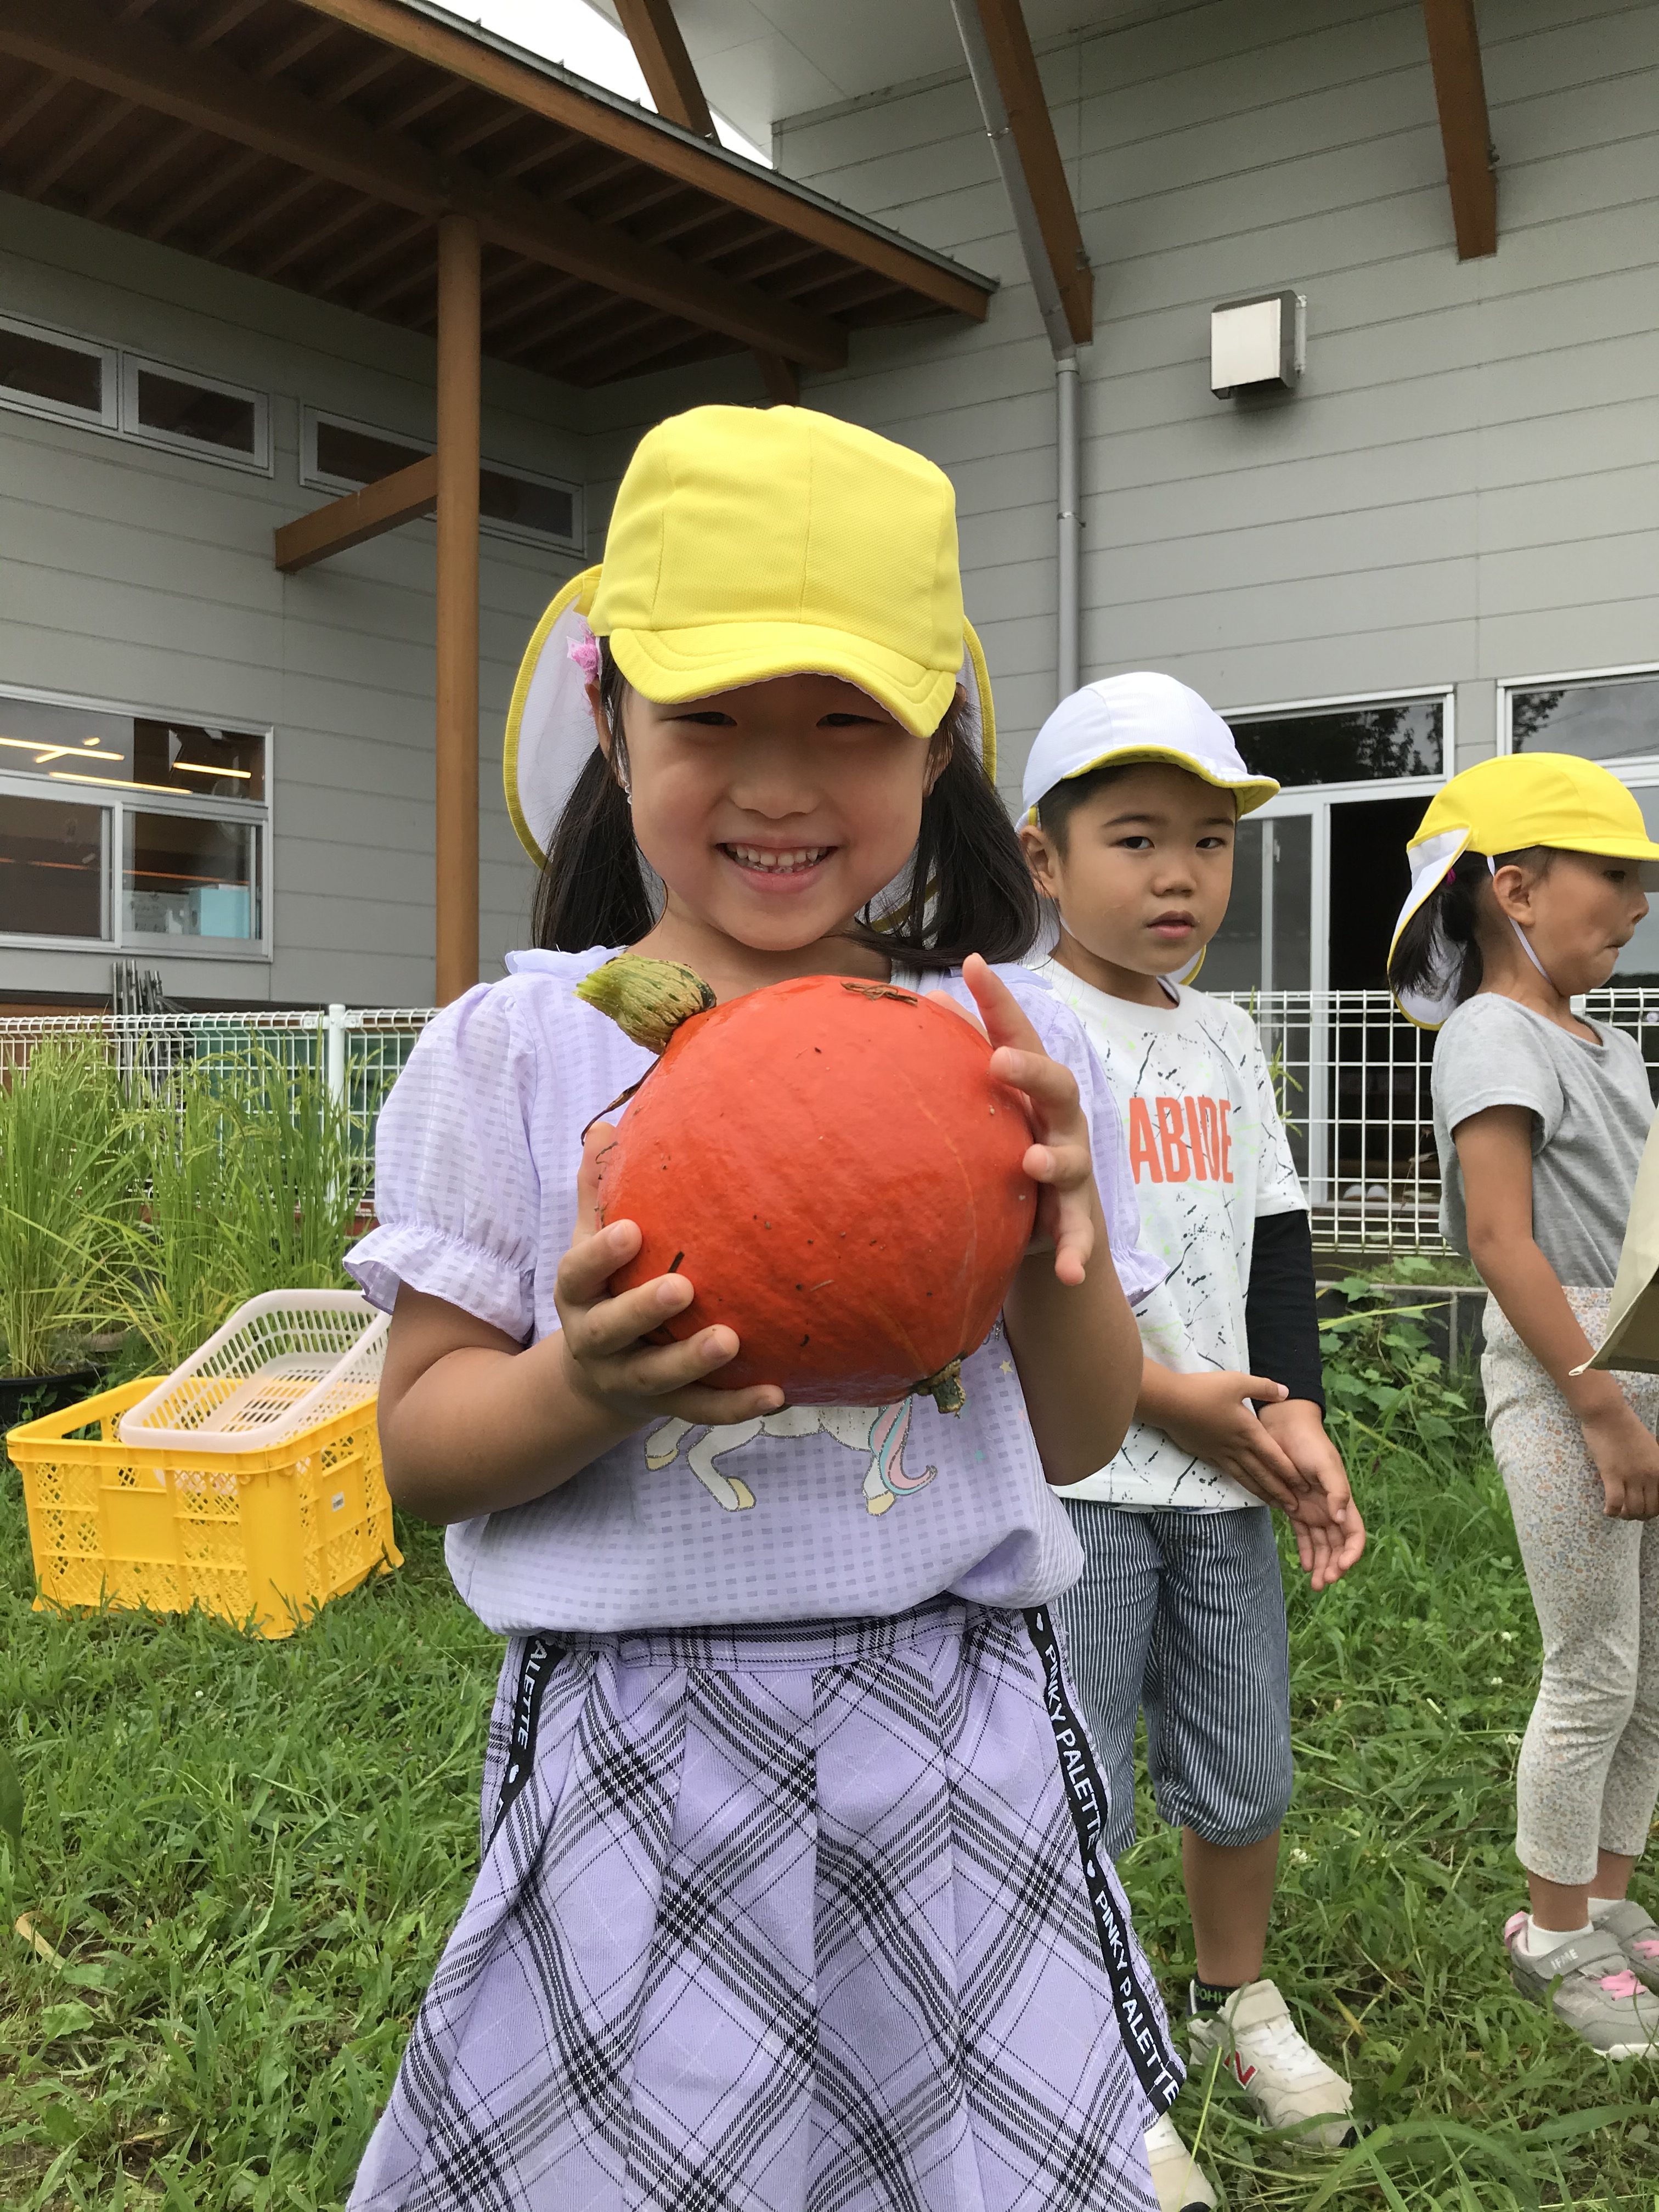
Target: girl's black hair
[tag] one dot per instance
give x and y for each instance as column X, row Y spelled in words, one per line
column 1440, row 939
column 969, row 889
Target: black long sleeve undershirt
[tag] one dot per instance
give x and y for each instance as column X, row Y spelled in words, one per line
column 1281, row 1321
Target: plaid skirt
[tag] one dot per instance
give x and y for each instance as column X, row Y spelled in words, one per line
column 787, row 1918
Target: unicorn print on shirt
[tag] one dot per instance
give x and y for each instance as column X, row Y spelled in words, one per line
column 879, row 1430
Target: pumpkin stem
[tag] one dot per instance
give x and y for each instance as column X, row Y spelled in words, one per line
column 945, row 1389
column 647, row 1000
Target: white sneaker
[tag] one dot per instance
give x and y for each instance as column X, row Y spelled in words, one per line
column 1262, row 2051
column 1179, row 2182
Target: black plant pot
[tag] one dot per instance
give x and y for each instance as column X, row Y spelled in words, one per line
column 32, row 1397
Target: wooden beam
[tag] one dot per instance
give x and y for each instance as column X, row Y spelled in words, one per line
column 360, row 515
column 672, row 81
column 1032, row 129
column 211, row 95
column 457, row 848
column 664, row 64
column 30, row 105
column 413, row 32
column 1459, row 94
column 781, row 379
column 69, row 151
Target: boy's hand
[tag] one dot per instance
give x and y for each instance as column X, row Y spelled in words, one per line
column 607, row 1359
column 1330, row 1535
column 1060, row 1163
column 1626, row 1456
column 1208, row 1415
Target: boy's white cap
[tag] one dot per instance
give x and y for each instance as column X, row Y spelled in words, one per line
column 1143, row 717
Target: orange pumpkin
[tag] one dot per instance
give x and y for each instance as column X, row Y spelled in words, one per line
column 834, row 1167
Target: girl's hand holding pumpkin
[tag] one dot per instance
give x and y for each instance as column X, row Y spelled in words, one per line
column 1060, row 1163
column 608, row 1357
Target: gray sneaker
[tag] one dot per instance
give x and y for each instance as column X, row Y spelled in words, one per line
column 1589, row 1984
column 1637, row 1935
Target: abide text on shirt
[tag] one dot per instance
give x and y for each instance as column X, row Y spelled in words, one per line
column 1189, row 1141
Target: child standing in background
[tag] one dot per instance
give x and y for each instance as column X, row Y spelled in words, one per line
column 1134, row 789
column 1525, row 886
column 790, row 1894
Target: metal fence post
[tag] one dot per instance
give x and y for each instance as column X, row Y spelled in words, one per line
column 334, row 1053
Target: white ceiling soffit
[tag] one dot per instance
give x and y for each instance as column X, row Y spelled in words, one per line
column 760, row 60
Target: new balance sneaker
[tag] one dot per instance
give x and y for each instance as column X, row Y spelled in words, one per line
column 1637, row 1935
column 1264, row 2054
column 1588, row 1982
column 1179, row 2182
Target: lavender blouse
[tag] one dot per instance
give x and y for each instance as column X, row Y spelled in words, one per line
column 817, row 1512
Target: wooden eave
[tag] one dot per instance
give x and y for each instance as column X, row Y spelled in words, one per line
column 318, row 143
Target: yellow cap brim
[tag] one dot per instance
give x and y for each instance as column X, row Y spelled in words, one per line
column 671, row 665
column 1249, row 791
column 549, row 727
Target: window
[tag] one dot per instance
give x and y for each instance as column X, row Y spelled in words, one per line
column 338, row 455
column 1362, row 741
column 1600, row 718
column 185, row 877
column 131, row 828
column 169, row 407
column 44, row 372
column 53, row 868
column 76, row 379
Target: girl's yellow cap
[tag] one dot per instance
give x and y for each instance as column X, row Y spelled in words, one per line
column 1504, row 805
column 746, row 543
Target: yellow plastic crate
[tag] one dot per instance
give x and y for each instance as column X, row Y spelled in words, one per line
column 265, row 1536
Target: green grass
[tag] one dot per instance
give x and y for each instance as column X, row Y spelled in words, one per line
column 248, row 1857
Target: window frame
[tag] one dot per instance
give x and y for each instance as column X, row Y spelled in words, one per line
column 1584, row 679
column 106, row 422
column 317, row 479
column 259, row 462
column 1380, row 786
column 118, row 799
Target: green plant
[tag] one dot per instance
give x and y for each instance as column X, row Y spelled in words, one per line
column 295, row 1185
column 1388, row 1398
column 250, row 1185
column 64, row 1197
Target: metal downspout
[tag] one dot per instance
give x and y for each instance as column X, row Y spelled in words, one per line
column 1068, row 657
column 994, row 114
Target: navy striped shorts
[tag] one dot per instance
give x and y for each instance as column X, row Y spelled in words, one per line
column 1183, row 1614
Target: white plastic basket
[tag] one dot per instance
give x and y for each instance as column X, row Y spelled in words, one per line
column 282, row 1363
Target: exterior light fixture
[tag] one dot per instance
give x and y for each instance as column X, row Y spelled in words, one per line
column 1258, row 344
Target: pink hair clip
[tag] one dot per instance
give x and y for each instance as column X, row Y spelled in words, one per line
column 584, row 650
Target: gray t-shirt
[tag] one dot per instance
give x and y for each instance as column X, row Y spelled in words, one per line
column 1591, row 1108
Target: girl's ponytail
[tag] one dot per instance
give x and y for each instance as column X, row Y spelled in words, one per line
column 1437, row 953
column 592, row 890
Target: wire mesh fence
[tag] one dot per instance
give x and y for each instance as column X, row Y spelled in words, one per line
column 358, row 1051
column 1353, row 1084
column 1352, row 1076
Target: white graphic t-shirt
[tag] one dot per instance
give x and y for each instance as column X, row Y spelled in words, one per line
column 1209, row 1155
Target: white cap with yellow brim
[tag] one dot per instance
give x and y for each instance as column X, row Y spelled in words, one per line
column 1508, row 805
column 747, row 543
column 1124, row 721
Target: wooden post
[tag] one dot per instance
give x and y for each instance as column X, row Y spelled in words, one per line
column 458, row 607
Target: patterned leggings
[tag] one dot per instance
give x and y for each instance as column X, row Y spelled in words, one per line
column 1588, row 1771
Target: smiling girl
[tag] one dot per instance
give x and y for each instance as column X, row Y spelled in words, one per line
column 789, row 1894
column 1526, row 887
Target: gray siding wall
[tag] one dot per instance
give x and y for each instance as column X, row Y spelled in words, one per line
column 145, row 578
column 1465, row 489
